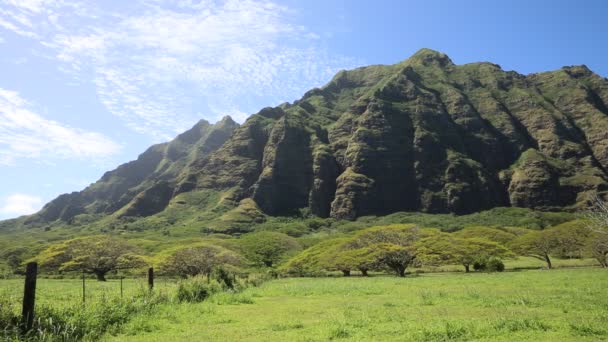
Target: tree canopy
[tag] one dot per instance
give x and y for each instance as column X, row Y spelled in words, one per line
column 536, row 244
column 94, row 254
column 268, row 248
column 446, row 248
column 597, row 244
column 385, row 248
column 486, row 233
column 199, row 260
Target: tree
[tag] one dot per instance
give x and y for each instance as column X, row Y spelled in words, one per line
column 598, row 246
column 392, row 246
column 363, row 259
column 446, row 248
column 199, row 260
column 14, row 258
column 397, row 258
column 377, row 248
column 536, row 244
column 94, row 254
column 343, row 257
column 570, row 239
column 486, row 233
column 312, row 260
column 597, row 216
column 268, row 248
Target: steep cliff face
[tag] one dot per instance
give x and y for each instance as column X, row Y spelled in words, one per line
column 144, row 186
column 422, row 135
column 428, row 135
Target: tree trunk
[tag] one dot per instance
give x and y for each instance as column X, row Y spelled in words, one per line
column 467, row 268
column 101, row 275
column 401, row 271
column 364, row 272
column 346, row 273
column 548, row 261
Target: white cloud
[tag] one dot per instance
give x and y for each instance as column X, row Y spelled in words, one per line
column 20, row 204
column 157, row 64
column 25, row 134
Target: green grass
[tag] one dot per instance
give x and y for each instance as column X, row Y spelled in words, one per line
column 54, row 292
column 60, row 313
column 541, row 305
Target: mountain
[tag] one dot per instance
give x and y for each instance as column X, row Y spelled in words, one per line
column 421, row 135
column 141, row 187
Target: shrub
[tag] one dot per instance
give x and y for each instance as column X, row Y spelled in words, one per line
column 489, row 265
column 256, row 279
column 224, row 278
column 196, row 289
column 495, row 265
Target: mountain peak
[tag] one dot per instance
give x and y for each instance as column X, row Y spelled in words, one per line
column 227, row 119
column 428, row 57
column 577, row 71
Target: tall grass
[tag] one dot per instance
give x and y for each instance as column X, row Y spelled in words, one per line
column 65, row 317
column 75, row 321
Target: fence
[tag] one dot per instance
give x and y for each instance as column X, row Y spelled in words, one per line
column 29, row 294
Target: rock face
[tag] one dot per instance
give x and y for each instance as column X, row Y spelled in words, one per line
column 422, row 135
column 144, row 186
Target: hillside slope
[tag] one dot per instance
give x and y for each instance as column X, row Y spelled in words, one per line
column 421, row 135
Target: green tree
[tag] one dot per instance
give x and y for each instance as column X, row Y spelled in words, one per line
column 268, row 248
column 345, row 258
column 363, row 259
column 95, row 254
column 396, row 258
column 199, row 260
column 312, row 260
column 14, row 258
column 536, row 244
column 392, row 246
column 598, row 246
column 486, row 233
column 446, row 248
column 570, row 239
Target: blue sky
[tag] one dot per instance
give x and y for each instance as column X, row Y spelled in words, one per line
column 87, row 85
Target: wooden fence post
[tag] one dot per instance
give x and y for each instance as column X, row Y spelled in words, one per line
column 83, row 289
column 150, row 278
column 29, row 297
column 121, row 278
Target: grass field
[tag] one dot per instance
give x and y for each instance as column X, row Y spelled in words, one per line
column 540, row 305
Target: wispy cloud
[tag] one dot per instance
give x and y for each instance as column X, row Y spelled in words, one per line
column 20, row 204
column 159, row 64
column 25, row 134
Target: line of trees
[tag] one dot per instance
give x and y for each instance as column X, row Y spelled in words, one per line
column 393, row 248
column 101, row 254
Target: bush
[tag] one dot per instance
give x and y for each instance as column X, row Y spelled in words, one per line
column 495, row 265
column 489, row 265
column 196, row 289
column 256, row 280
column 479, row 265
column 224, row 278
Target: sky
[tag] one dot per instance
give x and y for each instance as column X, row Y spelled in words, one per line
column 88, row 85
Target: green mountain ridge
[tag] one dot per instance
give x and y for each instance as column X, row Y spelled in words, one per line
column 421, row 135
